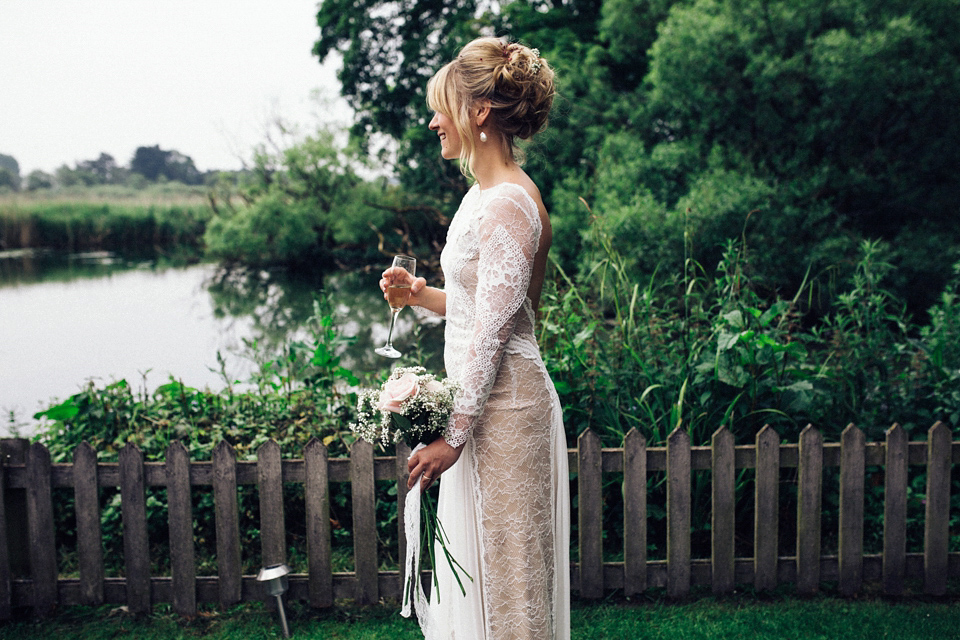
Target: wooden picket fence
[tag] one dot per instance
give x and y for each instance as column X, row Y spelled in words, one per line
column 27, row 536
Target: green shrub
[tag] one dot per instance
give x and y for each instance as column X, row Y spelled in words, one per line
column 299, row 394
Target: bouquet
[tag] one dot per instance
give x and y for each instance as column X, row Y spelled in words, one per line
column 413, row 406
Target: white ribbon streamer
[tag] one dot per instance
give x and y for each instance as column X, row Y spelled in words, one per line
column 411, row 527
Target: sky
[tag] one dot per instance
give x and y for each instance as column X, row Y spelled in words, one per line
column 204, row 77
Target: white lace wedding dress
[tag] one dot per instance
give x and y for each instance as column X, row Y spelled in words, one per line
column 505, row 504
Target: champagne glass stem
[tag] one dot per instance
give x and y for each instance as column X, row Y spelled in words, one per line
column 393, row 320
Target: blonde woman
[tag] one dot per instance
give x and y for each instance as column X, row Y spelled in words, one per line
column 504, row 499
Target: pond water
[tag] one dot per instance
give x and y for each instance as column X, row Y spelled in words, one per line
column 68, row 320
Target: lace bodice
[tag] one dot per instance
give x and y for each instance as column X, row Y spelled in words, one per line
column 488, row 263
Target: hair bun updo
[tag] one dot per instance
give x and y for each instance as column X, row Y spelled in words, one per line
column 518, row 83
column 523, row 90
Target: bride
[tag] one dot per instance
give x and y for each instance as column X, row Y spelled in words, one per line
column 504, row 499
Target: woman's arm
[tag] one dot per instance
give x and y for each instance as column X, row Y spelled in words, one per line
column 509, row 237
column 429, row 298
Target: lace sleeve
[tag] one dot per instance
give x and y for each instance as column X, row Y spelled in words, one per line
column 509, row 234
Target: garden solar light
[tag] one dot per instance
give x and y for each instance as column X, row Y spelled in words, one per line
column 275, row 579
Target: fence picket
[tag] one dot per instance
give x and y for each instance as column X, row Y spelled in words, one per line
column 270, row 485
column 43, row 550
column 229, row 568
column 364, row 522
column 136, row 548
column 634, row 513
column 767, row 513
column 678, row 513
column 895, row 511
column 86, row 494
column 936, row 536
column 722, row 510
column 809, row 498
column 14, row 451
column 317, row 502
column 6, row 578
column 180, row 518
column 852, row 468
column 589, row 514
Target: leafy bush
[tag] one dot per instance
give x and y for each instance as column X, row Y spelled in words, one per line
column 307, row 206
column 299, row 394
column 701, row 350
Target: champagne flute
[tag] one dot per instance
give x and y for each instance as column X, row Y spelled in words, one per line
column 398, row 292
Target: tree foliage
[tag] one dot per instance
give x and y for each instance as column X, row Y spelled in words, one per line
column 154, row 163
column 103, row 170
column 9, row 172
column 38, row 179
column 306, row 206
column 799, row 127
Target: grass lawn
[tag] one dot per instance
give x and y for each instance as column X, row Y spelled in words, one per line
column 771, row 618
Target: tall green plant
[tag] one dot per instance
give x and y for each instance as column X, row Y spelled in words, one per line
column 714, row 349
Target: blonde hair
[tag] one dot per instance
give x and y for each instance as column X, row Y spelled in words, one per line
column 518, row 83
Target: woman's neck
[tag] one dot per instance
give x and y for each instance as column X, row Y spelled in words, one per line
column 491, row 165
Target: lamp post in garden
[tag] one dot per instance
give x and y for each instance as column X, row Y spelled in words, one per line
column 274, row 579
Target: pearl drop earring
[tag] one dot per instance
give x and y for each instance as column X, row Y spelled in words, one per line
column 483, row 137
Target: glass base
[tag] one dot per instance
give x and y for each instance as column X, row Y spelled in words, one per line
column 387, row 351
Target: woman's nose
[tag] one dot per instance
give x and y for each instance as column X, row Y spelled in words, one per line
column 434, row 125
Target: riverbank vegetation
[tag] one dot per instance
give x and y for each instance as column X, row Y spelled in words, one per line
column 99, row 205
column 804, row 128
column 74, row 225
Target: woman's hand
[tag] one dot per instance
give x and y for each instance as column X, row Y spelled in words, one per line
column 431, row 461
column 395, row 275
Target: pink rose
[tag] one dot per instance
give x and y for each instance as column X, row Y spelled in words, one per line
column 396, row 391
column 433, row 386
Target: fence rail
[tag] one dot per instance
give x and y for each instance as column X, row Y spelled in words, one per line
column 28, row 554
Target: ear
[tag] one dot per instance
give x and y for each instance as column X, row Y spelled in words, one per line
column 482, row 111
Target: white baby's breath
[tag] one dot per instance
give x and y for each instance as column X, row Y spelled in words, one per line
column 422, row 417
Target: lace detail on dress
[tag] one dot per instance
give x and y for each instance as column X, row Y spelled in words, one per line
column 503, row 234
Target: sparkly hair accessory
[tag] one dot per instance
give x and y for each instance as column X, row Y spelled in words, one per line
column 535, row 66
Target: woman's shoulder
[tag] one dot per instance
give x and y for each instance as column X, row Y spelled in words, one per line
column 518, row 202
column 523, row 198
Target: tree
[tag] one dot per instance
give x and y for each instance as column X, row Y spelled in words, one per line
column 800, row 127
column 66, row 177
column 9, row 172
column 303, row 204
column 391, row 49
column 38, row 179
column 103, row 170
column 150, row 162
column 857, row 99
column 154, row 162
